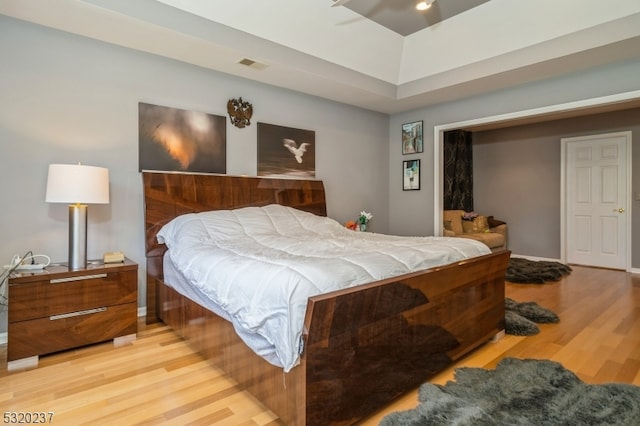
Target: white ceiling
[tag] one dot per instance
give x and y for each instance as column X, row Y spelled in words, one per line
column 338, row 54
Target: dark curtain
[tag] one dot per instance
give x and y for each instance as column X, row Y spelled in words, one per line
column 458, row 171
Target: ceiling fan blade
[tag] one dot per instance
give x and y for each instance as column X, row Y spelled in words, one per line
column 339, row 2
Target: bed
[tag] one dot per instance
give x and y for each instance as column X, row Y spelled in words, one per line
column 363, row 346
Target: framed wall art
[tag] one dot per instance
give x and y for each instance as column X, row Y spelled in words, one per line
column 285, row 152
column 171, row 139
column 412, row 138
column 411, row 175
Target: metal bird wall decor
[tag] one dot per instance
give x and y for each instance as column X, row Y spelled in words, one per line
column 240, row 112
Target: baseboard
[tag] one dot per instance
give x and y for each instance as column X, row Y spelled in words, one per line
column 142, row 311
column 632, row 270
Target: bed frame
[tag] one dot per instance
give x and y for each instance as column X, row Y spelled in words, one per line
column 364, row 346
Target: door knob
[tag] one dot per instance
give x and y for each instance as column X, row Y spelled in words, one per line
column 620, row 210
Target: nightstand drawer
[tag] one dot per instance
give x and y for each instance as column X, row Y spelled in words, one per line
column 70, row 329
column 53, row 295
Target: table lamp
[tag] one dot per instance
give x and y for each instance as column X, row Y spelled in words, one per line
column 78, row 185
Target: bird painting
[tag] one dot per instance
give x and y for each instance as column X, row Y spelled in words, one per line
column 286, row 152
column 297, row 151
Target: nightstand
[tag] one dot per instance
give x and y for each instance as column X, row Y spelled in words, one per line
column 57, row 309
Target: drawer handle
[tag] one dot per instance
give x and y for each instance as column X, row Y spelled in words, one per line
column 79, row 278
column 77, row 313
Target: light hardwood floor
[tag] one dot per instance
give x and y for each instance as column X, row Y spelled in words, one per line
column 158, row 379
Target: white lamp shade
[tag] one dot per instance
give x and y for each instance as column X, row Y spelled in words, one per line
column 75, row 183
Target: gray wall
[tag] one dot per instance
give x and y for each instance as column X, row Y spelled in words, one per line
column 412, row 212
column 517, row 177
column 67, row 99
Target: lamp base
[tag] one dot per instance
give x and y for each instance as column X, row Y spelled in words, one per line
column 77, row 236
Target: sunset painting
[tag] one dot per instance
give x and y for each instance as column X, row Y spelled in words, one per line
column 172, row 139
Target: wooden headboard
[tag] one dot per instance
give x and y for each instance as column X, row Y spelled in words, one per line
column 168, row 195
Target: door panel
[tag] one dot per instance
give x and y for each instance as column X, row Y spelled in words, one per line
column 596, row 199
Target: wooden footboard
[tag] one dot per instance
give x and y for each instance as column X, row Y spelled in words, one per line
column 367, row 345
column 363, row 346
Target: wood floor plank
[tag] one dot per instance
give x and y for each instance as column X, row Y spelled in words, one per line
column 158, row 380
column 629, row 369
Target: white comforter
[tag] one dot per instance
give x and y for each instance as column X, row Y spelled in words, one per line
column 262, row 264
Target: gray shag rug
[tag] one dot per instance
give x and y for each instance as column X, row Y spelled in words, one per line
column 521, row 319
column 521, row 392
column 527, row 271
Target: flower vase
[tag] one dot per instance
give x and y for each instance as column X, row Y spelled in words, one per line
column 363, row 227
